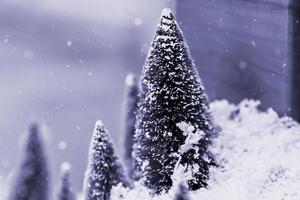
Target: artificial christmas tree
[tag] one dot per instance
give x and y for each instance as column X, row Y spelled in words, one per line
column 104, row 170
column 32, row 179
column 130, row 120
column 65, row 192
column 173, row 108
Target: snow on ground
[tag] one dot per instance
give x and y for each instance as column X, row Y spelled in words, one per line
column 258, row 156
column 257, row 152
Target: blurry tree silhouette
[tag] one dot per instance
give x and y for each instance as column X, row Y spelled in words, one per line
column 32, row 180
column 130, row 120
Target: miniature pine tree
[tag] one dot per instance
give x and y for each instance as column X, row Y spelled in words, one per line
column 130, row 119
column 104, row 170
column 182, row 192
column 65, row 192
column 32, row 178
column 171, row 94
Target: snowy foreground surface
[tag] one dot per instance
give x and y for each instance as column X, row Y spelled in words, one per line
column 258, row 154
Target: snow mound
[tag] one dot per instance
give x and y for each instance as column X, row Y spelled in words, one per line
column 257, row 153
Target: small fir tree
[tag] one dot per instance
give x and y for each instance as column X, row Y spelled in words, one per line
column 65, row 191
column 104, row 169
column 171, row 94
column 32, row 178
column 130, row 120
column 182, row 192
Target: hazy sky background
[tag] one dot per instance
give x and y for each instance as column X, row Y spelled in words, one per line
column 63, row 63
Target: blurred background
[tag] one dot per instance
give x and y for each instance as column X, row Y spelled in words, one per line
column 63, row 63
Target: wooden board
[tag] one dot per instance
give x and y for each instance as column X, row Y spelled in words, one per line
column 241, row 48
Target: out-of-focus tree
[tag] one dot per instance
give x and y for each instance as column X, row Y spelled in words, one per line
column 32, row 178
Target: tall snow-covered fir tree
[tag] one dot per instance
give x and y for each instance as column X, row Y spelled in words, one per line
column 171, row 95
column 65, row 190
column 182, row 192
column 32, row 179
column 104, row 169
column 131, row 97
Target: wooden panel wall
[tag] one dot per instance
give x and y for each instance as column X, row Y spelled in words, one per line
column 295, row 54
column 241, row 48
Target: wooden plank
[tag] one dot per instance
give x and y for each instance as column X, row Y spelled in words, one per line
column 295, row 57
column 241, row 48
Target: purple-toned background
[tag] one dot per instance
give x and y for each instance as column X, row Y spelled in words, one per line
column 63, row 63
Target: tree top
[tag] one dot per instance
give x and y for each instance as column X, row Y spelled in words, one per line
column 167, row 12
column 130, row 80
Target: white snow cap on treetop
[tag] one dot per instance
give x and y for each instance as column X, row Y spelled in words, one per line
column 65, row 167
column 166, row 21
column 99, row 131
column 99, row 124
column 167, row 12
column 129, row 81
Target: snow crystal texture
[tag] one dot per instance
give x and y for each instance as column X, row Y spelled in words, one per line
column 258, row 153
column 258, row 156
